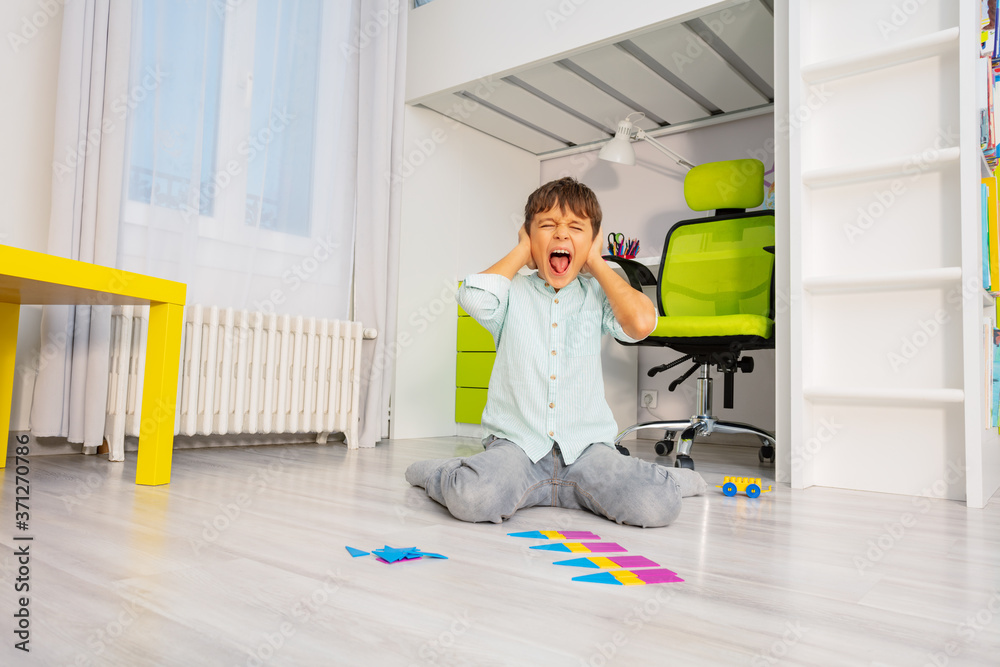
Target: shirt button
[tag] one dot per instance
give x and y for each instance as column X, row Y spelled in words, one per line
column 552, row 405
column 552, row 377
column 546, row 284
column 557, row 301
column 554, row 325
column 553, row 353
column 552, row 433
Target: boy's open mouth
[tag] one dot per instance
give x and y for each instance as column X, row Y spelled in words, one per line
column 559, row 261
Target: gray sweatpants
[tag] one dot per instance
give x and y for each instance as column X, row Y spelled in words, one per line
column 492, row 485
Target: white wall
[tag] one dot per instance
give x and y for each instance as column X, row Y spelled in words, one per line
column 643, row 202
column 462, row 201
column 455, row 42
column 29, row 67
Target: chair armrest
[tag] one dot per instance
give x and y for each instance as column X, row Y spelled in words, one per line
column 637, row 274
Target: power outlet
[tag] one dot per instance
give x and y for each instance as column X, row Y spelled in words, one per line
column 648, row 398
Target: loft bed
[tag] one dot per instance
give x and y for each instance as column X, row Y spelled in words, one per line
column 554, row 80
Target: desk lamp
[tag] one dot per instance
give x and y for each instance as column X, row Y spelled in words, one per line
column 620, row 148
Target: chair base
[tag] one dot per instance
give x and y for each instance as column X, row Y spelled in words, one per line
column 702, row 425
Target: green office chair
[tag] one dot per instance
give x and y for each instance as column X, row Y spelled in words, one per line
column 716, row 297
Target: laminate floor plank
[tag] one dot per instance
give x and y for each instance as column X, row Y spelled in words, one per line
column 240, row 560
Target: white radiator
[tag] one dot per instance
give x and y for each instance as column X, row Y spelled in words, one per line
column 242, row 372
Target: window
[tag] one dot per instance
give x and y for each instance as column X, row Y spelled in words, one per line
column 229, row 134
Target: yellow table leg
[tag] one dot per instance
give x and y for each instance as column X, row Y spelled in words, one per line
column 9, row 313
column 159, row 393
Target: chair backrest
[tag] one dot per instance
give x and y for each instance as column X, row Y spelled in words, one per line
column 717, row 265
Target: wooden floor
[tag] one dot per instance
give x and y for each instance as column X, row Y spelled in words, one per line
column 240, row 560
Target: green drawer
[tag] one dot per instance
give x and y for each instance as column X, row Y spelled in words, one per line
column 461, row 311
column 472, row 337
column 469, row 405
column 474, row 369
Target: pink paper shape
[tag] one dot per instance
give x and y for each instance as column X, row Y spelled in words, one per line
column 633, row 561
column 661, row 576
column 603, row 547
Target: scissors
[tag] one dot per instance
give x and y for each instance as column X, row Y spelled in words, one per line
column 614, row 242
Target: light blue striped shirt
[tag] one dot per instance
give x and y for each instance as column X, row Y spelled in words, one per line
column 546, row 387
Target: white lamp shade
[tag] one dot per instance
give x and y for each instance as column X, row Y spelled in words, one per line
column 620, row 148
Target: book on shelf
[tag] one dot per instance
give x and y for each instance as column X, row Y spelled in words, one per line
column 995, row 384
column 989, row 73
column 989, row 110
column 987, row 27
column 984, row 211
column 991, row 252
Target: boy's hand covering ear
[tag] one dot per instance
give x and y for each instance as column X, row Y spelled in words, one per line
column 596, row 250
column 524, row 241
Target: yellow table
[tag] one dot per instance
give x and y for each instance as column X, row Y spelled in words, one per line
column 35, row 278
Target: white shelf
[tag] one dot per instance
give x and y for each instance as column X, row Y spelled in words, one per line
column 900, row 280
column 915, row 49
column 907, row 165
column 884, row 396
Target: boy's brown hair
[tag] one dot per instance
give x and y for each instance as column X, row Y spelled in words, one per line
column 566, row 192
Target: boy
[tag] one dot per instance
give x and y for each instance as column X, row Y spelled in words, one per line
column 550, row 429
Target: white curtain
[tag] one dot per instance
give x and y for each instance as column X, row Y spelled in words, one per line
column 71, row 388
column 240, row 160
column 247, row 154
column 381, row 91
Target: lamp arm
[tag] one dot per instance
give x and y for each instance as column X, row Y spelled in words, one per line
column 640, row 134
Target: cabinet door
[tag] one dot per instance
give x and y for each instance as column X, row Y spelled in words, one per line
column 469, row 405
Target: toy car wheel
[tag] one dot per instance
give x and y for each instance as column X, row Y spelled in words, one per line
column 729, row 489
column 753, row 490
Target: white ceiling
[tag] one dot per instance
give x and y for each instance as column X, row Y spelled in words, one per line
column 709, row 66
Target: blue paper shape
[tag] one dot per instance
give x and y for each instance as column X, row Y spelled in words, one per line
column 392, row 555
column 533, row 534
column 577, row 562
column 599, row 578
column 551, row 547
column 356, row 552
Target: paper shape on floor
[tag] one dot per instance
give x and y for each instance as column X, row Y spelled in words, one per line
column 632, row 577
column 582, row 547
column 608, row 562
column 356, row 552
column 391, row 555
column 396, row 560
column 557, row 535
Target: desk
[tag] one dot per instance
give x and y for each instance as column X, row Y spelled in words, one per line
column 28, row 277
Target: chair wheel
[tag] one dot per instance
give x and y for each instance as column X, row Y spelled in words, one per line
column 684, row 461
column 766, row 453
column 622, row 450
column 664, row 447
